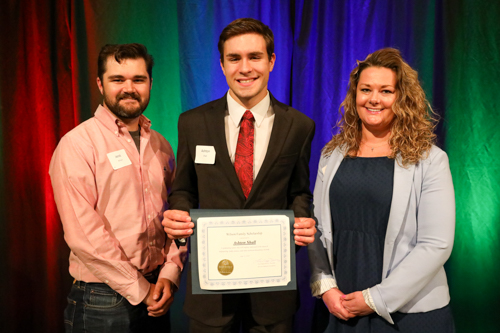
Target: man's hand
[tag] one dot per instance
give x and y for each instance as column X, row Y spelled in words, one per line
column 355, row 304
column 177, row 224
column 333, row 301
column 159, row 298
column 304, row 230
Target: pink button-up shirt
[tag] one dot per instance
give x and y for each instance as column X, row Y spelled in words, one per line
column 112, row 218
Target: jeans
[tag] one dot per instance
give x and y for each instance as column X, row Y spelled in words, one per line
column 95, row 307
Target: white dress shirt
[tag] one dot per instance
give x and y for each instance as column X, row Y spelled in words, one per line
column 264, row 119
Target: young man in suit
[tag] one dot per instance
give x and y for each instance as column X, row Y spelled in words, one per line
column 248, row 122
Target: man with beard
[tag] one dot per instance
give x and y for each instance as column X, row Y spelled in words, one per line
column 111, row 176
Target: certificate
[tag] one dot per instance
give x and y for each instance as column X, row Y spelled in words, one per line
column 242, row 251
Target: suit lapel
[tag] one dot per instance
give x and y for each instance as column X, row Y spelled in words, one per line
column 403, row 180
column 328, row 172
column 279, row 133
column 214, row 117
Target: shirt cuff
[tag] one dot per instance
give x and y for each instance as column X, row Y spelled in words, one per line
column 172, row 272
column 137, row 292
column 369, row 300
column 320, row 287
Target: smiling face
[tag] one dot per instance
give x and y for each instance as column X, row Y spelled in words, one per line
column 247, row 66
column 125, row 87
column 375, row 96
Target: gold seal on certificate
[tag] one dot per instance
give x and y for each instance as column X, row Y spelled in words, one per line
column 225, row 267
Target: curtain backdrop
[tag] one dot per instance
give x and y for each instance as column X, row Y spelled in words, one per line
column 48, row 55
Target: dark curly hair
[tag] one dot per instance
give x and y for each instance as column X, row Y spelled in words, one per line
column 121, row 52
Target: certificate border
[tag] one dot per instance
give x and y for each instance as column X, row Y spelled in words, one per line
column 197, row 213
column 280, row 221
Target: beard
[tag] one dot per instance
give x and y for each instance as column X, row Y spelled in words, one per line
column 124, row 111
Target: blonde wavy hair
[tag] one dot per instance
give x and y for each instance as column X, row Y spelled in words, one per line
column 412, row 129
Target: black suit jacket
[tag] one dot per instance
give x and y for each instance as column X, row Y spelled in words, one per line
column 282, row 183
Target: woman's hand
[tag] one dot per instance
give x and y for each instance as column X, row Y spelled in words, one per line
column 355, row 304
column 333, row 301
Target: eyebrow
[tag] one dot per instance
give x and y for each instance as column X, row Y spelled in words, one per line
column 369, row 85
column 235, row 55
column 121, row 77
column 256, row 53
column 232, row 55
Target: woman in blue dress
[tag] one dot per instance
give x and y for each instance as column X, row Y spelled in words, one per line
column 385, row 207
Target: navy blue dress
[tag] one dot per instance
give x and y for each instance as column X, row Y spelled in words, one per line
column 360, row 201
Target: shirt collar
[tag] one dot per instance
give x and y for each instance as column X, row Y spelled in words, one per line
column 259, row 111
column 111, row 122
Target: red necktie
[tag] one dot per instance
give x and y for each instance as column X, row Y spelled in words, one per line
column 243, row 160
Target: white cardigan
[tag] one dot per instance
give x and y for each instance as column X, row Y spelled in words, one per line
column 418, row 241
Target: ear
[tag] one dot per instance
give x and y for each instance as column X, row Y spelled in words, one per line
column 222, row 67
column 151, row 85
column 271, row 62
column 99, row 84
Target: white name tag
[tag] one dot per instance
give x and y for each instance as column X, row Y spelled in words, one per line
column 205, row 155
column 119, row 159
